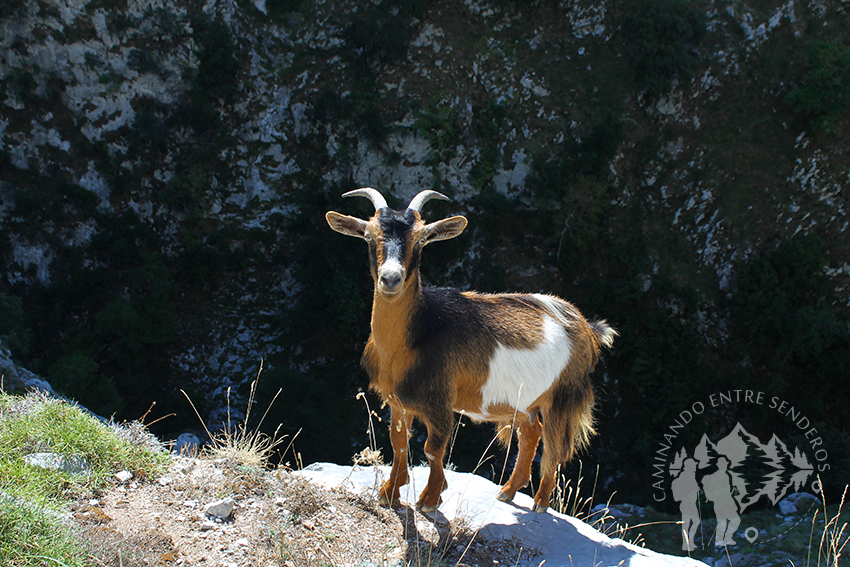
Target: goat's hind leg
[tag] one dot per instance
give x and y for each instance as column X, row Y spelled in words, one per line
column 529, row 431
column 567, row 427
column 389, row 494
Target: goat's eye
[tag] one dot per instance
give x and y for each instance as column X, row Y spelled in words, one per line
column 368, row 237
column 423, row 241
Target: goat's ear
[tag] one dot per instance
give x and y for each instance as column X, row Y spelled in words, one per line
column 443, row 229
column 344, row 224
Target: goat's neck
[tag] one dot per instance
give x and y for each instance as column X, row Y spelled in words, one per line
column 390, row 320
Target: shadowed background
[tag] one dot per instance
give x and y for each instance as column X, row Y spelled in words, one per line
column 678, row 168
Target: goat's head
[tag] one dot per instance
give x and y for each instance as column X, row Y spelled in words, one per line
column 395, row 238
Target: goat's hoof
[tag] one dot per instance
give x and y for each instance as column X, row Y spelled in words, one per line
column 504, row 497
column 540, row 509
column 386, row 502
column 428, row 508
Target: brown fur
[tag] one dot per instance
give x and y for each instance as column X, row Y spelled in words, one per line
column 408, row 324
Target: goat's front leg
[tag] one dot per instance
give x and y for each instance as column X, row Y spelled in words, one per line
column 399, row 427
column 439, row 429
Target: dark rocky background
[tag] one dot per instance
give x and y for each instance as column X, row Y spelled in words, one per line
column 678, row 168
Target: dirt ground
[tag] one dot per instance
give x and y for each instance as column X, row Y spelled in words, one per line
column 278, row 519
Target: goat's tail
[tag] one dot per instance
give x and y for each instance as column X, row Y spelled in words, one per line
column 567, row 313
column 604, row 333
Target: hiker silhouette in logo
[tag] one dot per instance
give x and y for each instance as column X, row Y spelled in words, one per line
column 686, row 491
column 719, row 490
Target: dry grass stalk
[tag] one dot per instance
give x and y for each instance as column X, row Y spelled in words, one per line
column 239, row 445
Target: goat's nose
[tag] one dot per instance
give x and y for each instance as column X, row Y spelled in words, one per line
column 391, row 279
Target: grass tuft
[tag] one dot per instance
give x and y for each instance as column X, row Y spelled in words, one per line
column 834, row 536
column 240, row 445
column 33, row 527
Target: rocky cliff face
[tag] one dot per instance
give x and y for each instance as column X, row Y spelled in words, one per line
column 165, row 168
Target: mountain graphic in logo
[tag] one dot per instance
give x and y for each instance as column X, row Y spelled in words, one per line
column 780, row 469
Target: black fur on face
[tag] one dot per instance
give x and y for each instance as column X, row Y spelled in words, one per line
column 397, row 234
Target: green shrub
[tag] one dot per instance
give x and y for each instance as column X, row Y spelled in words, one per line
column 824, row 95
column 150, row 127
column 77, row 375
column 439, row 122
column 55, row 201
column 107, row 5
column 489, row 122
column 142, row 61
column 380, row 34
column 573, row 183
column 9, row 8
column 119, row 21
column 111, row 80
column 115, row 322
column 277, row 9
column 786, row 327
column 15, row 333
column 185, row 191
column 166, row 22
column 365, row 110
column 217, row 64
column 773, row 287
column 22, row 84
column 216, row 76
column 662, row 40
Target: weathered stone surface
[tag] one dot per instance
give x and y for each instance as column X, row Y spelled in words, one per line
column 220, row 508
column 124, row 476
column 74, row 464
column 186, row 444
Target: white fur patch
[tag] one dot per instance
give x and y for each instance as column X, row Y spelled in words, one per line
column 519, row 376
column 391, row 265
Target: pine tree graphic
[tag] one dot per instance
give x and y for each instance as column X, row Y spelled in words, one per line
column 782, row 471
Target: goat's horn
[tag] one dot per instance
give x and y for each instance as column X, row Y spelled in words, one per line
column 423, row 197
column 371, row 194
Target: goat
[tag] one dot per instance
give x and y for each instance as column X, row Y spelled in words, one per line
column 520, row 360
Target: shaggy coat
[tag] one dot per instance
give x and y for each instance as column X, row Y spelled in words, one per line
column 522, row 361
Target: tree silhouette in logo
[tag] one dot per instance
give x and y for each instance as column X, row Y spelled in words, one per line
column 717, row 469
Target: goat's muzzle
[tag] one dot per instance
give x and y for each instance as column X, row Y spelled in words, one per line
column 390, row 279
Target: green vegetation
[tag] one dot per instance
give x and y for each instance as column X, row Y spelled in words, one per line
column 788, row 327
column 824, row 95
column 380, row 34
column 9, row 8
column 573, row 183
column 488, row 123
column 278, row 9
column 14, row 328
column 109, row 298
column 21, row 84
column 663, row 41
column 215, row 79
column 32, row 498
column 142, row 60
column 440, row 123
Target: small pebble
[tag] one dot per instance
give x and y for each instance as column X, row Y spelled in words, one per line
column 124, row 476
